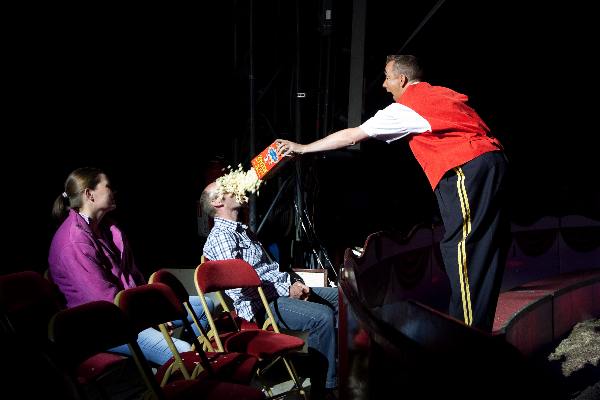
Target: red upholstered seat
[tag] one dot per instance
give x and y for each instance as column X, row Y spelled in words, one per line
column 263, row 344
column 97, row 365
column 224, row 323
column 230, row 367
column 209, row 390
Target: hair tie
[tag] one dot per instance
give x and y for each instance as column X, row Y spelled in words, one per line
column 64, row 194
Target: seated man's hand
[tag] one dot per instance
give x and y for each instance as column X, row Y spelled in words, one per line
column 299, row 290
column 170, row 328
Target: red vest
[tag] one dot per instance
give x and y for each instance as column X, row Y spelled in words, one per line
column 457, row 134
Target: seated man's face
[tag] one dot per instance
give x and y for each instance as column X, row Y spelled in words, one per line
column 231, row 203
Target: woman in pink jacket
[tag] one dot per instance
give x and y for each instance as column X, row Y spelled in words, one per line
column 90, row 258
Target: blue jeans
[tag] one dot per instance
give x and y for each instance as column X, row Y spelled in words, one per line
column 153, row 343
column 319, row 316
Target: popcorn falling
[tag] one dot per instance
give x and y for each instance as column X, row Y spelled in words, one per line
column 238, row 183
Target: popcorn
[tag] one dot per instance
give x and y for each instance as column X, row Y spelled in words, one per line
column 238, row 183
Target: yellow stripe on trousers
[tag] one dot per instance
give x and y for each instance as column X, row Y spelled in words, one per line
column 462, row 247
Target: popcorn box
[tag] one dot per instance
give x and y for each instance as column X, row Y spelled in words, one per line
column 267, row 162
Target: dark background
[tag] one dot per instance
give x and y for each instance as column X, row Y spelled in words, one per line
column 158, row 96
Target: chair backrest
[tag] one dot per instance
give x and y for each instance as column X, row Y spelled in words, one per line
column 150, row 305
column 218, row 275
column 215, row 275
column 82, row 331
column 156, row 304
column 224, row 301
column 28, row 302
column 167, row 278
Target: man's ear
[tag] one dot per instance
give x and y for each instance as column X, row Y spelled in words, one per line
column 404, row 80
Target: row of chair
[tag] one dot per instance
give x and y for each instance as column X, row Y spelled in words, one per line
column 80, row 336
column 226, row 333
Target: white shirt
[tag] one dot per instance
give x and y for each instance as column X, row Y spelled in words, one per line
column 395, row 122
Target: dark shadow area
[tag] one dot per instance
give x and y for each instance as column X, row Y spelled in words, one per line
column 434, row 355
column 154, row 94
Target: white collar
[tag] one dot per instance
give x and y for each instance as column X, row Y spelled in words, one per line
column 87, row 218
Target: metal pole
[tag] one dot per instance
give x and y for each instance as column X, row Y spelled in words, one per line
column 298, row 123
column 357, row 62
column 252, row 201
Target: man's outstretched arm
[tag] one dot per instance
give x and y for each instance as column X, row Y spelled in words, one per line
column 337, row 140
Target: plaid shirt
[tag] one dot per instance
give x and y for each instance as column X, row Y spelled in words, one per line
column 230, row 239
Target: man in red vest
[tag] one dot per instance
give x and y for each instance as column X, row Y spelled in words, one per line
column 466, row 168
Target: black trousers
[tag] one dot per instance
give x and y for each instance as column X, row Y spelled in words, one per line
column 471, row 199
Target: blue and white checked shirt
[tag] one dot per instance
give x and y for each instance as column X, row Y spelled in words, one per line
column 230, row 239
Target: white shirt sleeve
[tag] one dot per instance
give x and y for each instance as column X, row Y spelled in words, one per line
column 394, row 122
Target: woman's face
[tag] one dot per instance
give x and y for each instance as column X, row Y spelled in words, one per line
column 103, row 196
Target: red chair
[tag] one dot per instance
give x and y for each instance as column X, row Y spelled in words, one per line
column 155, row 305
column 29, row 301
column 105, row 326
column 227, row 319
column 167, row 278
column 269, row 347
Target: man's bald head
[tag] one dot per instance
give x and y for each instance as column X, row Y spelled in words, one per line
column 209, row 194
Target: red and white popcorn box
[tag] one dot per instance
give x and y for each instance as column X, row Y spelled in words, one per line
column 268, row 161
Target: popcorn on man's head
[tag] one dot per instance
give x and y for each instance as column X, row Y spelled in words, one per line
column 238, row 183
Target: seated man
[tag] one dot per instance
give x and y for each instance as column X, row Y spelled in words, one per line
column 294, row 305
